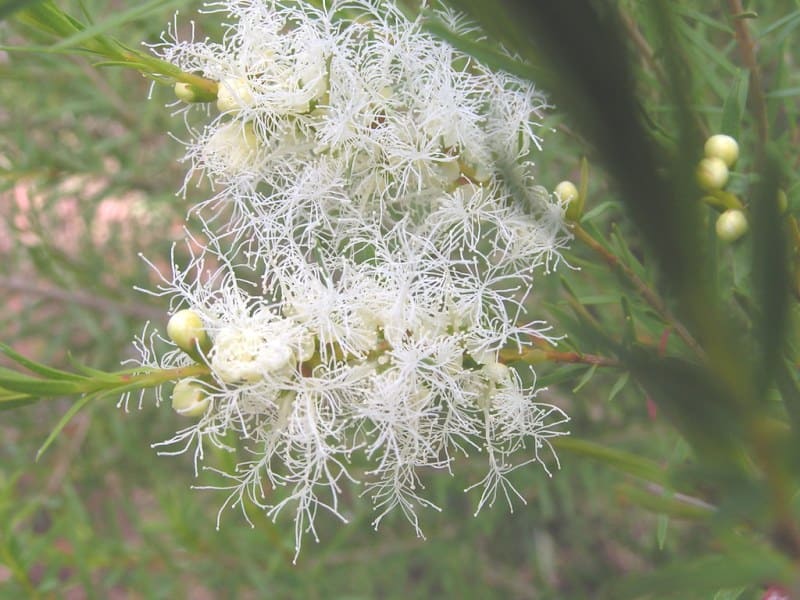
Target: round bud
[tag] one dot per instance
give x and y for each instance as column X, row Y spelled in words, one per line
column 234, row 94
column 193, row 93
column 189, row 398
column 184, row 91
column 185, row 328
column 731, row 225
column 232, row 149
column 481, row 172
column 712, row 174
column 497, row 372
column 566, row 192
column 723, row 147
column 306, row 348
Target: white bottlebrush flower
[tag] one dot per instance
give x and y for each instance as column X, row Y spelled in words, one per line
column 382, row 245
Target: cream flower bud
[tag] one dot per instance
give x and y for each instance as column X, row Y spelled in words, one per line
column 496, row 372
column 477, row 168
column 185, row 328
column 189, row 398
column 449, row 170
column 234, row 94
column 184, row 91
column 191, row 93
column 482, row 357
column 481, row 172
column 232, row 148
column 723, row 147
column 313, row 75
column 731, row 225
column 306, row 347
column 712, row 174
column 566, row 192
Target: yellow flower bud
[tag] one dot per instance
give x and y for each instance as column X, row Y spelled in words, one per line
column 234, row 94
column 731, row 225
column 185, row 328
column 189, row 398
column 191, row 93
column 712, row 174
column 184, row 91
column 723, row 147
column 497, row 372
column 566, row 192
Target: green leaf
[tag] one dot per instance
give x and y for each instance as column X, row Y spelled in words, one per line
column 45, row 17
column 62, row 422
column 22, row 400
column 618, row 386
column 790, row 21
column 485, row 53
column 790, row 393
column 598, row 210
column 629, row 463
column 96, row 374
column 624, row 252
column 562, row 373
column 709, row 416
column 36, row 367
column 735, row 103
column 629, row 331
column 17, row 382
column 665, row 503
column 662, row 526
column 596, row 299
column 770, row 270
column 9, row 7
column 751, row 564
column 120, row 18
column 587, row 376
column 139, row 66
column 710, row 21
column 733, row 594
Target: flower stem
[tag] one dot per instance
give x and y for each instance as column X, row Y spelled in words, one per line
column 48, row 19
column 748, row 52
column 538, row 355
column 650, row 296
column 160, row 376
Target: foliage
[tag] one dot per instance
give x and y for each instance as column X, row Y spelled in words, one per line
column 679, row 367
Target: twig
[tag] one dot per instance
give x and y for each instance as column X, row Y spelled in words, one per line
column 59, row 471
column 649, row 59
column 16, row 284
column 110, row 94
column 660, row 490
column 536, row 355
column 747, row 49
column 645, row 51
column 651, row 297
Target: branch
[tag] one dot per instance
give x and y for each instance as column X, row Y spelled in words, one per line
column 23, row 286
column 651, row 297
column 538, row 355
column 747, row 49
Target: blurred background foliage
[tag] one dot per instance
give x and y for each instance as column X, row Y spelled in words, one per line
column 679, row 370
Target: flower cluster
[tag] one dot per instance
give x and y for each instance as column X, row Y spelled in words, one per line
column 373, row 236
